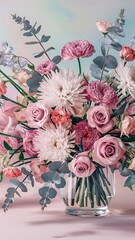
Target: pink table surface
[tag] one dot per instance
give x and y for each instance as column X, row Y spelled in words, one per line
column 25, row 220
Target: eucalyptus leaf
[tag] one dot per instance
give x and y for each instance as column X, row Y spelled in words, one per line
column 61, row 184
column 130, row 181
column 51, row 48
column 99, row 61
column 95, row 71
column 39, row 54
column 45, row 38
column 34, row 81
column 48, row 176
column 111, row 62
column 56, row 59
column 55, row 166
column 120, row 110
column 126, row 172
column 27, row 34
column 52, row 193
column 43, row 191
column 38, row 29
column 103, row 50
column 117, row 46
column 32, row 42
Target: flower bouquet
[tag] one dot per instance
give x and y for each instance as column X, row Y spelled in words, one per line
column 66, row 130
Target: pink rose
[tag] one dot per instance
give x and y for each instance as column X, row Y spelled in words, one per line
column 99, row 118
column 9, row 108
column 12, row 172
column 103, row 26
column 81, row 165
column 127, row 53
column 3, row 88
column 108, row 150
column 46, row 67
column 102, row 93
column 132, row 165
column 77, row 49
column 128, row 126
column 36, row 115
column 28, row 145
column 86, row 134
column 130, row 109
column 38, row 169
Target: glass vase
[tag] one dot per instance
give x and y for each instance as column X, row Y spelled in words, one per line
column 90, row 195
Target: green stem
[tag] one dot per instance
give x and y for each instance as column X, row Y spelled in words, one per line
column 25, row 159
column 42, row 46
column 15, row 151
column 10, row 100
column 79, row 63
column 8, row 135
column 90, row 191
column 82, row 191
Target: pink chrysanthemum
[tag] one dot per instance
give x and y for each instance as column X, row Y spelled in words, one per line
column 99, row 92
column 88, row 135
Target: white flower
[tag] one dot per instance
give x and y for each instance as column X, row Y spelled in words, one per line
column 63, row 90
column 54, row 144
column 125, row 77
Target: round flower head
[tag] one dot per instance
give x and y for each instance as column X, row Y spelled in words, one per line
column 77, row 49
column 62, row 90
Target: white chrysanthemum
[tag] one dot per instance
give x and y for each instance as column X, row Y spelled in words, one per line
column 54, row 144
column 125, row 77
column 63, row 90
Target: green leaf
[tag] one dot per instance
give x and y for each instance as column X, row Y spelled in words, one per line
column 21, row 156
column 56, row 59
column 27, row 34
column 1, row 176
column 32, row 42
column 120, row 110
column 7, row 146
column 45, row 38
column 32, row 67
column 111, row 62
column 51, row 48
column 130, row 181
column 38, row 29
column 39, row 54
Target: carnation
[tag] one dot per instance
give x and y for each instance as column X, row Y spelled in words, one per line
column 54, row 144
column 62, row 90
column 86, row 134
column 46, row 67
column 99, row 92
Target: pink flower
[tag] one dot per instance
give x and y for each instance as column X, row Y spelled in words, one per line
column 60, row 117
column 99, row 92
column 81, row 165
column 20, row 115
column 108, row 150
column 77, row 49
column 36, row 114
column 128, row 126
column 12, row 172
column 28, row 145
column 132, row 165
column 9, row 108
column 127, row 53
column 38, row 168
column 130, row 109
column 99, row 118
column 103, row 26
column 22, row 77
column 3, row 88
column 46, row 67
column 87, row 134
column 13, row 142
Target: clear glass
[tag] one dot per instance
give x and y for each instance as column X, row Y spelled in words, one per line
column 91, row 195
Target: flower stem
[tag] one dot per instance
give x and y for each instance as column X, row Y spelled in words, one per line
column 79, row 63
column 8, row 135
column 10, row 100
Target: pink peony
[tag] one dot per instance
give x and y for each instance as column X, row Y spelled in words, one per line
column 38, row 169
column 77, row 49
column 127, row 53
column 28, row 145
column 99, row 118
column 87, row 134
column 81, row 165
column 128, row 126
column 46, row 67
column 108, row 150
column 60, row 117
column 36, row 115
column 103, row 26
column 102, row 93
column 12, row 172
column 3, row 88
